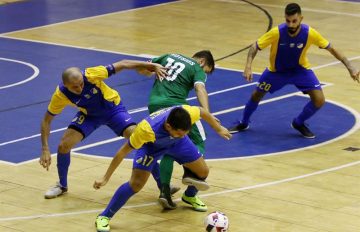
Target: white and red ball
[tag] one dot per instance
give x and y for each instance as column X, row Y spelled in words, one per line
column 216, row 222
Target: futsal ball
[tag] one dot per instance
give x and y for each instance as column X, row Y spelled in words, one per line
column 216, row 222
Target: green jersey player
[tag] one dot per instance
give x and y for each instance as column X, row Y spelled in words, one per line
column 184, row 74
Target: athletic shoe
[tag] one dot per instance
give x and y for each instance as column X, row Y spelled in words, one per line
column 238, row 128
column 55, row 191
column 102, row 224
column 196, row 203
column 201, row 185
column 304, row 130
column 165, row 199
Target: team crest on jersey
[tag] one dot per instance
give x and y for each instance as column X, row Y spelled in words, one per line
column 87, row 96
column 299, row 45
column 94, row 91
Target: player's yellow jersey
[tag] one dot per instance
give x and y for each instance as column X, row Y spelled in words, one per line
column 97, row 98
column 288, row 53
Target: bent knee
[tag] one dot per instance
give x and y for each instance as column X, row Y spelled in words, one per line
column 136, row 185
column 203, row 173
column 64, row 147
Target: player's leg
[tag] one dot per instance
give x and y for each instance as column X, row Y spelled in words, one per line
column 142, row 166
column 137, row 181
column 195, row 170
column 307, row 82
column 197, row 136
column 80, row 127
column 268, row 82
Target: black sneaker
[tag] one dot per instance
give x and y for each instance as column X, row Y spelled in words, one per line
column 165, row 199
column 239, row 127
column 304, row 130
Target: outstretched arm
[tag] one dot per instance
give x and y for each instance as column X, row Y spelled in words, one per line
column 202, row 96
column 118, row 158
column 45, row 158
column 215, row 124
column 251, row 55
column 354, row 72
column 141, row 66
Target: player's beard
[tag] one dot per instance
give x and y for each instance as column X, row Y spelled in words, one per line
column 292, row 31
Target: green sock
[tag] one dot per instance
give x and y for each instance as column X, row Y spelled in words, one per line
column 166, row 169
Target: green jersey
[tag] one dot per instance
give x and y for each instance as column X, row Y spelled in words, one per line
column 183, row 74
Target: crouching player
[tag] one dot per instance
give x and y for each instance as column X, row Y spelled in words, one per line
column 163, row 132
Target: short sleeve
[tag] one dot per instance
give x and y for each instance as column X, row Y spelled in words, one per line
column 268, row 38
column 317, row 39
column 95, row 74
column 142, row 134
column 58, row 102
column 194, row 112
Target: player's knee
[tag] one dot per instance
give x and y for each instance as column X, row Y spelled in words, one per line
column 64, row 147
column 257, row 96
column 318, row 103
column 203, row 172
column 136, row 184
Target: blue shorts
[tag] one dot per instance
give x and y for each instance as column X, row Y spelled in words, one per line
column 183, row 151
column 118, row 119
column 303, row 79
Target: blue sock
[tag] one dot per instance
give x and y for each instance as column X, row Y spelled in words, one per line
column 156, row 174
column 121, row 196
column 191, row 191
column 63, row 163
column 250, row 107
column 308, row 111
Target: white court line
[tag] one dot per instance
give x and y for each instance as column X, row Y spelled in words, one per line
column 33, row 76
column 141, row 109
column 177, row 200
column 144, row 108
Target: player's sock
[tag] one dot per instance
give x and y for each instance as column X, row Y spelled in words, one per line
column 166, row 169
column 250, row 107
column 121, row 196
column 63, row 163
column 156, row 174
column 191, row 191
column 309, row 110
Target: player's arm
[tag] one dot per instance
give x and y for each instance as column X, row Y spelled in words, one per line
column 45, row 158
column 120, row 155
column 142, row 67
column 214, row 123
column 202, row 95
column 250, row 57
column 354, row 72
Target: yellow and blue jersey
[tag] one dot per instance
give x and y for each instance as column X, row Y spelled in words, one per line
column 97, row 98
column 289, row 53
column 151, row 130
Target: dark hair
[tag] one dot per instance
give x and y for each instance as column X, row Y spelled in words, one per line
column 292, row 8
column 209, row 59
column 179, row 119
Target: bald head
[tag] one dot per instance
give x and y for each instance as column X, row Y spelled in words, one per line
column 73, row 80
column 71, row 74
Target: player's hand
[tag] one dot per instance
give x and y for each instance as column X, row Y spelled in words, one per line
column 354, row 73
column 99, row 183
column 223, row 132
column 248, row 74
column 45, row 158
column 160, row 71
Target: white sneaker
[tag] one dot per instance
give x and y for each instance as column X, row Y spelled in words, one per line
column 55, row 191
column 199, row 184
